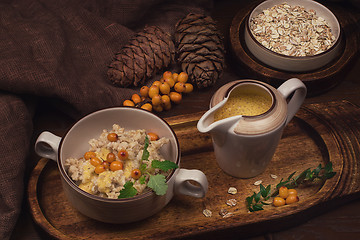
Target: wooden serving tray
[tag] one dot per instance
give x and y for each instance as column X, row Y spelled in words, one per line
column 318, row 134
column 317, row 81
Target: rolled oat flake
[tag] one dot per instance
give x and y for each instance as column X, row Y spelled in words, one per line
column 232, row 190
column 292, row 30
column 207, row 213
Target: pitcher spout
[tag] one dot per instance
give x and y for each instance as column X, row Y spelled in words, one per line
column 207, row 124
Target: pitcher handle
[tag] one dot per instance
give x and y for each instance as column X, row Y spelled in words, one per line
column 184, row 186
column 296, row 86
column 47, row 145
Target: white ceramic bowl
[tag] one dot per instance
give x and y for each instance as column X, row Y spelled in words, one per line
column 291, row 63
column 75, row 143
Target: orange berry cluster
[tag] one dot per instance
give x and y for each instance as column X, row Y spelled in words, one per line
column 162, row 93
column 286, row 196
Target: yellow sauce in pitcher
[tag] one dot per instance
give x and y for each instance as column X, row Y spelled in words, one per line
column 246, row 103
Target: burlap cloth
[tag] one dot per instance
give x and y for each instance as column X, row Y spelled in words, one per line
column 59, row 49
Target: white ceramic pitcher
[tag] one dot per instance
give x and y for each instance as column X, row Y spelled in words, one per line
column 244, row 145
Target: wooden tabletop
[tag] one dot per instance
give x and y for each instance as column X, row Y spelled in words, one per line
column 334, row 222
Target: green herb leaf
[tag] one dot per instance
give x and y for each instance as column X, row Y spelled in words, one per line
column 268, row 189
column 128, row 190
column 317, row 170
column 291, row 175
column 258, row 207
column 158, row 184
column 328, row 167
column 249, row 200
column 329, row 175
column 142, row 179
column 257, row 197
column 143, row 168
column 164, row 165
column 263, row 191
column 145, row 155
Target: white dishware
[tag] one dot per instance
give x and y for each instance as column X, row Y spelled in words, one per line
column 75, row 143
column 244, row 145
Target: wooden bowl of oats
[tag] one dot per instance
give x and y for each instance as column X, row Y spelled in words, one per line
column 293, row 35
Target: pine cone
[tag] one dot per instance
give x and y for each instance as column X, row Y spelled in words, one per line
column 200, row 49
column 149, row 51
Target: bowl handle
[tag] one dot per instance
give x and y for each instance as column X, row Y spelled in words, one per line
column 47, row 145
column 184, row 186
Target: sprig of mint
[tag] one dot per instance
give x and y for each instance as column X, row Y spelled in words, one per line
column 156, row 182
column 256, row 201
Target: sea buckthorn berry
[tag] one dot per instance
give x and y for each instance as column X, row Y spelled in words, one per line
column 147, row 106
column 95, row 161
column 128, row 103
column 89, row 155
column 179, row 87
column 156, row 100
column 110, row 157
column 136, row 174
column 292, row 199
column 156, row 83
column 175, row 76
column 292, row 192
column 153, row 136
column 167, row 107
column 112, row 137
column 278, row 201
column 164, row 88
column 106, row 165
column 188, row 88
column 158, row 108
column 175, row 97
column 153, row 90
column 99, row 169
column 283, row 192
column 170, row 81
column 167, row 74
column 116, row 165
column 136, row 98
column 183, row 77
column 144, row 91
column 165, row 100
column 123, row 154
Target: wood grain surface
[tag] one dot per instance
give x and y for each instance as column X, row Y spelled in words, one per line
column 317, row 81
column 318, row 134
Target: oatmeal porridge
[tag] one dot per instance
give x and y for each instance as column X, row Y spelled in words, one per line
column 117, row 159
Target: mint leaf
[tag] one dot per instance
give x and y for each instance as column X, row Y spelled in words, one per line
column 128, row 190
column 158, row 184
column 164, row 165
column 145, row 155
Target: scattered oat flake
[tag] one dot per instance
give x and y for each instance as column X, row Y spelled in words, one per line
column 231, row 202
column 207, row 213
column 232, row 190
column 223, row 212
column 273, row 176
column 229, row 214
column 257, row 183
